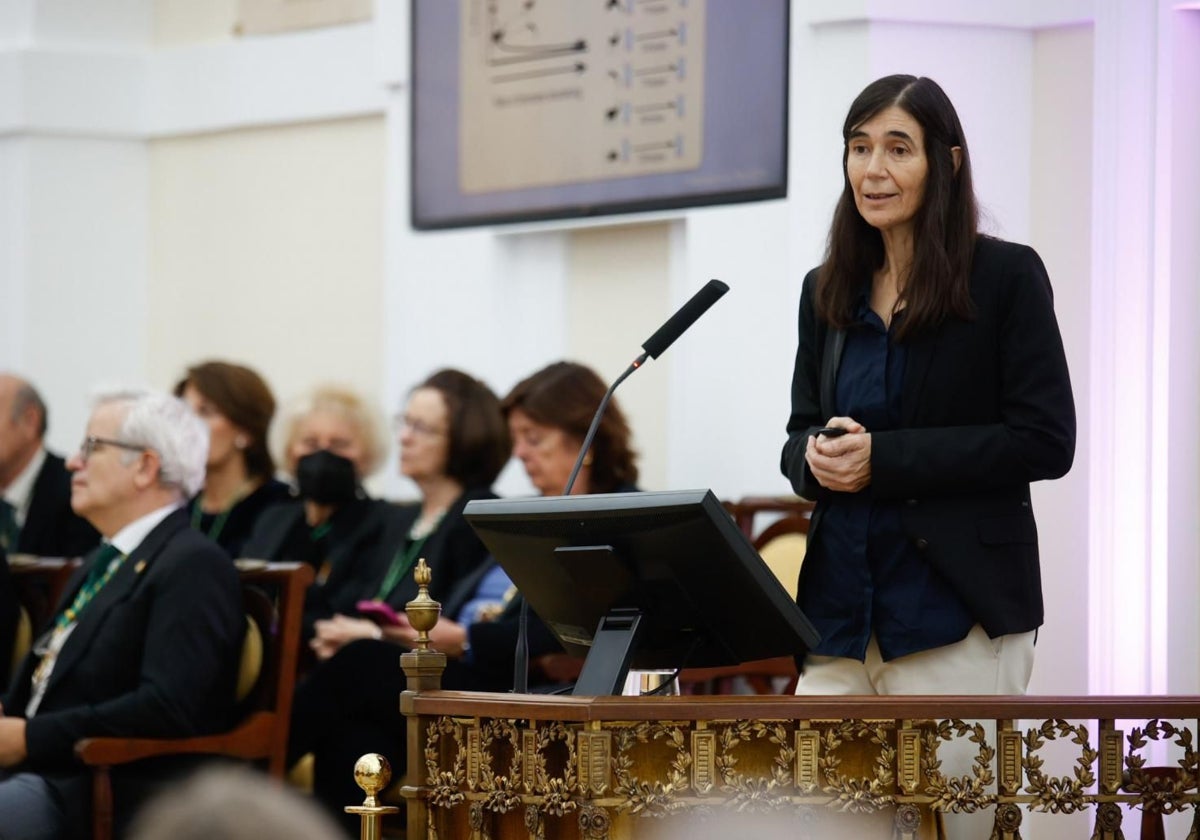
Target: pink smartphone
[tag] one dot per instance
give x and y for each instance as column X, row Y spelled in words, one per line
column 379, row 612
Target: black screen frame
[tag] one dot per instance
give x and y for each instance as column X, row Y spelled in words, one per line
column 713, row 580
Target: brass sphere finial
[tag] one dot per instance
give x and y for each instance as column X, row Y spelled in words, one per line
column 372, row 773
column 422, row 611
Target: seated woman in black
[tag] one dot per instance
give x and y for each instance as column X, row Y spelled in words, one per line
column 348, row 706
column 332, row 441
column 453, row 444
column 239, row 479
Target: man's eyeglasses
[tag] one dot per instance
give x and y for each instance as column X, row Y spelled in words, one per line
column 91, row 444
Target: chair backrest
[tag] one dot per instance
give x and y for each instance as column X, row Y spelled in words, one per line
column 22, row 641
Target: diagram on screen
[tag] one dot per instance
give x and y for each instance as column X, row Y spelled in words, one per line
column 553, row 92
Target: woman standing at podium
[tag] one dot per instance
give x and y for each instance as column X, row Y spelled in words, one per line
column 934, row 355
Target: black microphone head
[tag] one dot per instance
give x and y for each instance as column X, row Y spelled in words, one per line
column 687, row 315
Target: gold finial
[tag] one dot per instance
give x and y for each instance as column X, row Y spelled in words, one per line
column 371, row 773
column 422, row 611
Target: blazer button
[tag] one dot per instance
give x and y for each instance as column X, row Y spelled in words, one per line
column 921, row 543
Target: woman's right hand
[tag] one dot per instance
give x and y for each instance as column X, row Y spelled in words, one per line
column 841, row 463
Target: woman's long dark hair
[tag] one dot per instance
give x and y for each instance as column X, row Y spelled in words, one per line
column 944, row 229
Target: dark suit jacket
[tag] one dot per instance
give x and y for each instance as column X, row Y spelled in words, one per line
column 51, row 528
column 986, row 407
column 154, row 654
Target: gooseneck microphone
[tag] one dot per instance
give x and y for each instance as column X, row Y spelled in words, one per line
column 654, row 347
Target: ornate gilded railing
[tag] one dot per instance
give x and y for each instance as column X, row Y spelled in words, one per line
column 497, row 766
column 485, row 766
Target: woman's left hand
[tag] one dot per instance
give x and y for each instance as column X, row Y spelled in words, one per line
column 331, row 635
column 842, row 463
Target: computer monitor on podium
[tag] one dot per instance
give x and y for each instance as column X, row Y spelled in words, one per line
column 642, row 580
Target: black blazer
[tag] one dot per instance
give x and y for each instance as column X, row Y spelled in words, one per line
column 51, row 528
column 987, row 408
column 155, row 654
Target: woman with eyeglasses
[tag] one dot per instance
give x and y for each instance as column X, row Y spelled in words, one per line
column 239, row 480
column 453, row 444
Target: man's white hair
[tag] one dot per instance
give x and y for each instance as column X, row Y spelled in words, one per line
column 168, row 426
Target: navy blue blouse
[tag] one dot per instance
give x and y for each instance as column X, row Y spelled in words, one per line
column 865, row 575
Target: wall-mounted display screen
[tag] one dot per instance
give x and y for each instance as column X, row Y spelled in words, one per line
column 540, row 109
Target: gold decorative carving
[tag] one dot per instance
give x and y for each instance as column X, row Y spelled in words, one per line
column 652, row 798
column 446, row 785
column 500, row 789
column 1062, row 794
column 1108, row 822
column 865, row 794
column 808, row 750
column 594, row 755
column 959, row 793
column 1009, row 743
column 474, row 758
column 1007, row 825
column 529, row 765
column 803, row 772
column 755, row 793
column 556, row 791
column 704, row 748
column 594, row 823
column 908, row 759
column 907, row 821
column 1163, row 793
column 1112, row 759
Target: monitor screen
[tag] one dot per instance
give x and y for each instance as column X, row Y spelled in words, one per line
column 705, row 596
column 536, row 110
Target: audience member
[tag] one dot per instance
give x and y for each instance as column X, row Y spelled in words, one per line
column 35, row 500
column 35, row 508
column 239, row 481
column 548, row 415
column 453, row 444
column 232, row 803
column 147, row 636
column 332, row 441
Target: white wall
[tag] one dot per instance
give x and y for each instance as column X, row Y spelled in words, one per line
column 153, row 161
column 279, row 283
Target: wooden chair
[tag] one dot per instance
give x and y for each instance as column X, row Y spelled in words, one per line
column 265, row 698
column 37, row 583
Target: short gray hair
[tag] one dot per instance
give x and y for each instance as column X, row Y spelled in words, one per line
column 166, row 425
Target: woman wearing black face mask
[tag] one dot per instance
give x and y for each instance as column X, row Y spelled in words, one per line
column 332, row 441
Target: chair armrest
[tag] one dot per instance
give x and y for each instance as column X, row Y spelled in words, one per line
column 246, row 741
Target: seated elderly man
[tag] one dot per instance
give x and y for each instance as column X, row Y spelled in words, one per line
column 146, row 639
